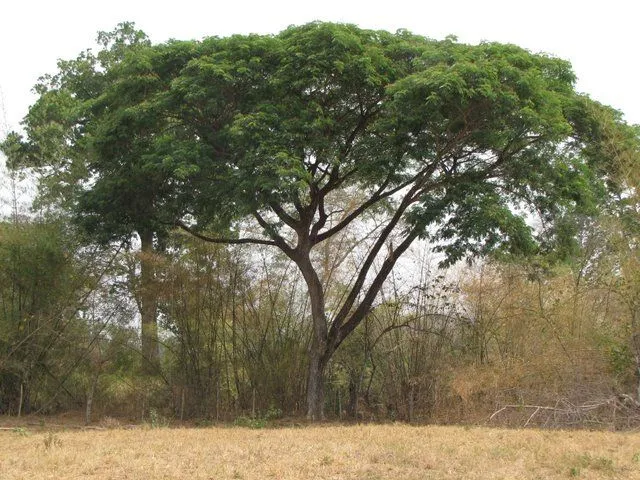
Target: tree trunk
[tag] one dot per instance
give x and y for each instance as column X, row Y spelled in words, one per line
column 635, row 340
column 318, row 352
column 315, row 385
column 325, row 341
column 354, row 390
column 90, row 393
column 411, row 400
column 148, row 305
column 20, row 400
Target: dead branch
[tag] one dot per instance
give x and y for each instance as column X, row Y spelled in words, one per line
column 613, row 411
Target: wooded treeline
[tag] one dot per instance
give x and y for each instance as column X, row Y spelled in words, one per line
column 446, row 346
column 267, row 225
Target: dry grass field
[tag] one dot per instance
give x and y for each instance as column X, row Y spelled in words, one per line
column 316, row 452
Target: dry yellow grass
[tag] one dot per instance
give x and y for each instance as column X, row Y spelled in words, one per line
column 322, row 452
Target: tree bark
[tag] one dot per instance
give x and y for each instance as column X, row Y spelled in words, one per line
column 318, row 352
column 315, row 384
column 148, row 305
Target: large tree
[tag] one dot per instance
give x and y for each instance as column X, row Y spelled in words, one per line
column 455, row 143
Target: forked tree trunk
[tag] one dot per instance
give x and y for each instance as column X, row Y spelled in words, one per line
column 148, row 305
column 325, row 340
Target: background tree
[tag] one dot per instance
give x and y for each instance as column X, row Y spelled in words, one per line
column 71, row 150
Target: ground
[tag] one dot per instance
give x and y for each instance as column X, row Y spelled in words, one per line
column 42, row 449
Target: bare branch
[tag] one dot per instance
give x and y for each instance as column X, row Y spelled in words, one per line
column 230, row 241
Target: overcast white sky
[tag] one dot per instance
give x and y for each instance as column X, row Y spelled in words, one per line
column 601, row 38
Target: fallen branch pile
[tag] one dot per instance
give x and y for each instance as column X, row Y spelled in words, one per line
column 616, row 412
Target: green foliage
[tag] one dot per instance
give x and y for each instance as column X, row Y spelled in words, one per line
column 273, row 413
column 227, row 126
column 587, row 461
column 62, row 323
column 621, row 359
column 247, row 422
column 38, row 289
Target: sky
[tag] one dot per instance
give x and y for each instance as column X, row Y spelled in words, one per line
column 600, row 38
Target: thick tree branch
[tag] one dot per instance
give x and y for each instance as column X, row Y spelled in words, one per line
column 371, row 256
column 340, row 332
column 233, row 241
column 316, row 296
column 377, row 196
column 322, row 218
column 278, row 240
column 283, row 215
